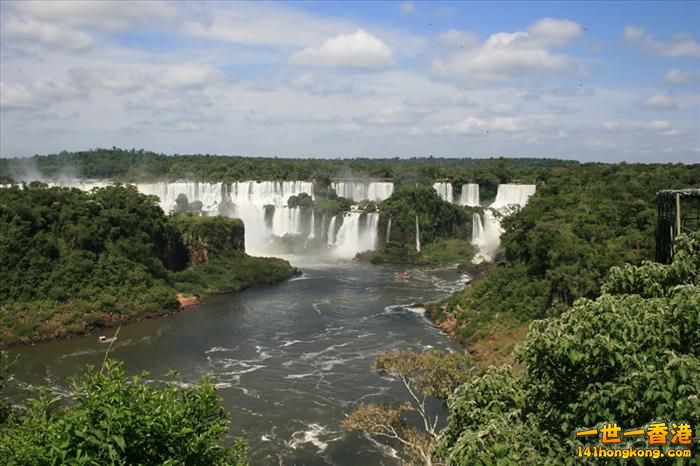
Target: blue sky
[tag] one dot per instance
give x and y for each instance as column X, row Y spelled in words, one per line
column 580, row 80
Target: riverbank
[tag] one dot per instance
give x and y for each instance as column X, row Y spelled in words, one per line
column 37, row 321
column 489, row 337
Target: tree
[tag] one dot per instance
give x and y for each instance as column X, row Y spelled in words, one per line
column 119, row 420
column 429, row 374
column 182, row 204
column 630, row 356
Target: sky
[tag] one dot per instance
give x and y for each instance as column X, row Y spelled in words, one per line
column 613, row 81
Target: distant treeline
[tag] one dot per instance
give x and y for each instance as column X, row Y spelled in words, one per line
column 140, row 165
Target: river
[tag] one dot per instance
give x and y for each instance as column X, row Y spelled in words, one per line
column 290, row 360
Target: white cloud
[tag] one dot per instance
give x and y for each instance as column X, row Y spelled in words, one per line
column 548, row 31
column 116, row 80
column 29, row 30
column 663, row 127
column 100, row 14
column 407, row 8
column 475, row 125
column 676, row 76
column 681, row 45
column 259, row 23
column 634, row 34
column 357, row 50
column 457, row 38
column 659, row 102
column 40, row 93
column 659, row 125
column 503, row 54
column 503, row 108
column 190, row 75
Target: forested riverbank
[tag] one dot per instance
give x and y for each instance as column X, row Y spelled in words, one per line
column 75, row 261
column 560, row 247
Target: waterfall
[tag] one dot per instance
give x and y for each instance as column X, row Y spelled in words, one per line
column 388, row 231
column 444, row 190
column 286, row 221
column 513, row 195
column 312, row 226
column 209, row 194
column 358, row 233
column 331, row 232
column 470, row 195
column 263, row 208
column 487, row 234
column 376, row 191
column 417, row 235
column 477, row 230
column 243, row 199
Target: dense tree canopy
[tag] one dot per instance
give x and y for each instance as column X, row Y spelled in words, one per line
column 631, row 356
column 114, row 419
column 133, row 165
column 581, row 221
column 73, row 260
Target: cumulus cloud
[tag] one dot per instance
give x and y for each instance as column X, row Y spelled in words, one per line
column 659, row 102
column 101, row 14
column 504, row 54
column 655, row 127
column 190, row 75
column 676, row 76
column 475, row 125
column 30, row 31
column 260, row 23
column 41, row 93
column 663, row 127
column 681, row 45
column 357, row 50
column 116, row 80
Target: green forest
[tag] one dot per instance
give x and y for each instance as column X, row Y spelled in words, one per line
column 139, row 165
column 570, row 327
column 559, row 247
column 74, row 261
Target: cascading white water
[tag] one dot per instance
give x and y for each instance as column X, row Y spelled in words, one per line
column 248, row 198
column 376, row 191
column 388, row 231
column 312, row 226
column 248, row 201
column 487, row 234
column 209, row 194
column 444, row 190
column 513, row 195
column 470, row 195
column 477, row 230
column 286, row 221
column 358, row 233
column 331, row 232
column 417, row 235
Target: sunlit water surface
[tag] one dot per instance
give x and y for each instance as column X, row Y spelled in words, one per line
column 290, row 360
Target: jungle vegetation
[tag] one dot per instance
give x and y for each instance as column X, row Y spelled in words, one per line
column 110, row 418
column 560, row 247
column 629, row 357
column 73, row 261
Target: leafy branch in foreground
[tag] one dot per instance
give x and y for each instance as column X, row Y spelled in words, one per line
column 431, row 374
column 113, row 419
